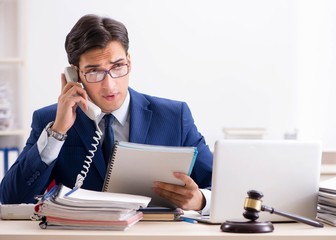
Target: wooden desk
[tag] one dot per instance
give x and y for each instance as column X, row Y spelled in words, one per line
column 23, row 230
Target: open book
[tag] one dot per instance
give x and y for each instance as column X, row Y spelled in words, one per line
column 135, row 167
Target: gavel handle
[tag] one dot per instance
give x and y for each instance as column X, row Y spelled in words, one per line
column 291, row 216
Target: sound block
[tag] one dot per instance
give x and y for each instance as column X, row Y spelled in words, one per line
column 247, row 227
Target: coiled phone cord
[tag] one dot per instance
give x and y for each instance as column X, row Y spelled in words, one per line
column 87, row 162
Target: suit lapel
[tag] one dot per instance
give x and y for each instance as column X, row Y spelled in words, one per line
column 86, row 128
column 140, row 117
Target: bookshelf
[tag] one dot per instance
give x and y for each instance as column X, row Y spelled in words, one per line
column 12, row 81
column 12, row 60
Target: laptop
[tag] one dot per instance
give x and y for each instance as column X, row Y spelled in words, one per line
column 287, row 172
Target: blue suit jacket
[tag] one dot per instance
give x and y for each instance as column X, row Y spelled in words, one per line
column 153, row 120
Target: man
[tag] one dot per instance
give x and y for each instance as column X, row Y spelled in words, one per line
column 62, row 134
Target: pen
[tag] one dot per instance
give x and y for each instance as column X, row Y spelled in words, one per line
column 71, row 191
column 189, row 220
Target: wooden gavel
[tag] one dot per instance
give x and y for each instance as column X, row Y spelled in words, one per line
column 253, row 205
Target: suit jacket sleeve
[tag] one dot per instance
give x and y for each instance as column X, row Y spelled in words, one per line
column 202, row 171
column 29, row 175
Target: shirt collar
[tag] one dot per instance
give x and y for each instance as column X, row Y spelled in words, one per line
column 121, row 113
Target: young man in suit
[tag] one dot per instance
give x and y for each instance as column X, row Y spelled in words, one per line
column 61, row 134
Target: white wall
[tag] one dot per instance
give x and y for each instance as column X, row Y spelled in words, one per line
column 236, row 63
column 317, row 51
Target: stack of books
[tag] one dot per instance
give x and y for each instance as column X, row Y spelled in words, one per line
column 161, row 214
column 326, row 207
column 63, row 208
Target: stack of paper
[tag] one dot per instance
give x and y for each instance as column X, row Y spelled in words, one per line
column 326, row 207
column 6, row 120
column 63, row 208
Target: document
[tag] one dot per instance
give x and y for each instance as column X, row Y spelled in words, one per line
column 326, row 202
column 89, row 198
column 135, row 167
column 62, row 208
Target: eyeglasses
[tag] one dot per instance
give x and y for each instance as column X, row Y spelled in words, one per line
column 117, row 71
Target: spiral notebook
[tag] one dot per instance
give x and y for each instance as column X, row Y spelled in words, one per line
column 134, row 167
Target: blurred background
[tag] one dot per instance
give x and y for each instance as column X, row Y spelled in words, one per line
column 253, row 69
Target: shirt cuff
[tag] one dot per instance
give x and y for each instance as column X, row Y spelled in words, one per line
column 48, row 147
column 207, row 195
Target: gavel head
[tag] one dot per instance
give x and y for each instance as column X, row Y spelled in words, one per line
column 252, row 205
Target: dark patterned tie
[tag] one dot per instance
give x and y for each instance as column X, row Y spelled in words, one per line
column 109, row 137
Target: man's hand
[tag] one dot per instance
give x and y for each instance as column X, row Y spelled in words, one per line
column 71, row 96
column 187, row 197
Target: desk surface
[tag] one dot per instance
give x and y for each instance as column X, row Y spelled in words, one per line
column 23, row 230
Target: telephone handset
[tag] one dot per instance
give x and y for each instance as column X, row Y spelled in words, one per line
column 94, row 111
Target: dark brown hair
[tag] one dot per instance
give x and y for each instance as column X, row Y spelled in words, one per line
column 92, row 32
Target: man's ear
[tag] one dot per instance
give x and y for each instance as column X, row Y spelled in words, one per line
column 128, row 57
column 78, row 72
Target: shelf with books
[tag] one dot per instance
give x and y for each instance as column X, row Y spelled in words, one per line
column 11, row 104
column 13, row 86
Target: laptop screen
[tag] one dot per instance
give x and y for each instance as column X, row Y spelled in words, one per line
column 287, row 172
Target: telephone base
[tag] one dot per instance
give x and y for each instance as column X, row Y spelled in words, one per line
column 234, row 226
column 16, row 211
